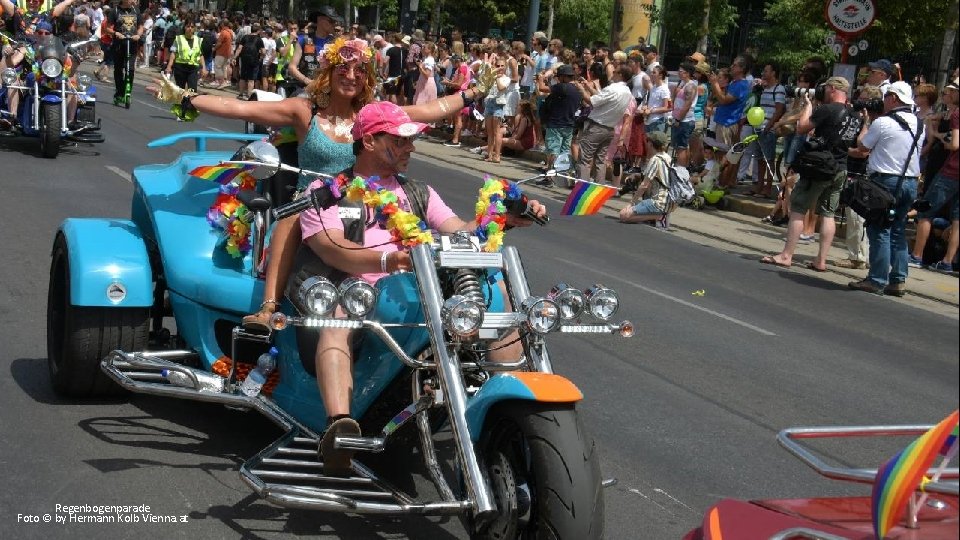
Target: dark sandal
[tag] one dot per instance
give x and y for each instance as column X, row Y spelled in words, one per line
column 336, row 462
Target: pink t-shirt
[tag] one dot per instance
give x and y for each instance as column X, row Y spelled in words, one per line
column 313, row 222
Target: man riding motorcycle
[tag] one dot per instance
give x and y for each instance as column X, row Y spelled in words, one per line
column 383, row 141
column 29, row 19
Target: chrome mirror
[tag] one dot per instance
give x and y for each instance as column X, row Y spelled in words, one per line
column 263, row 153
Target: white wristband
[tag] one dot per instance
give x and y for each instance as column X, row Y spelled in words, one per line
column 383, row 262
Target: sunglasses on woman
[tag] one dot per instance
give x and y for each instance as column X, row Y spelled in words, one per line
column 359, row 70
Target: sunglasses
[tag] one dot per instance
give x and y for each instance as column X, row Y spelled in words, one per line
column 43, row 33
column 398, row 140
column 359, row 70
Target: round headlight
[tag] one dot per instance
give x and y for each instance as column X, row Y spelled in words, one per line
column 51, row 67
column 462, row 316
column 543, row 315
column 570, row 300
column 357, row 297
column 318, row 295
column 84, row 81
column 9, row 76
column 603, row 302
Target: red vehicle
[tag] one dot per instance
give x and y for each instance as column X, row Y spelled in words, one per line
column 930, row 517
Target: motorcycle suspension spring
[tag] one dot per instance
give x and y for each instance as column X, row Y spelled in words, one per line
column 467, row 283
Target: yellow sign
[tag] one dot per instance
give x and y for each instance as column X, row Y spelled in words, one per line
column 635, row 23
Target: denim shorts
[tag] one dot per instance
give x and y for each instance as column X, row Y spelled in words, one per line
column 657, row 125
column 680, row 134
column 557, row 140
column 768, row 144
column 942, row 192
column 492, row 108
column 646, row 207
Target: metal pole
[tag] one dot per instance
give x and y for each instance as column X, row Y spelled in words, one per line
column 532, row 20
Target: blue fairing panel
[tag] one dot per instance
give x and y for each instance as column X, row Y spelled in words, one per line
column 171, row 207
column 109, row 265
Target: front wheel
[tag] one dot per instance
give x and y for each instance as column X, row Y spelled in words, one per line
column 50, row 121
column 544, row 472
column 78, row 338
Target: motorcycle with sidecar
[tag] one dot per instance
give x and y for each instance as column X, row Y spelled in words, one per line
column 46, row 78
column 523, row 464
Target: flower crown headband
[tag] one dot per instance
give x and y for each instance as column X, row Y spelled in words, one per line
column 343, row 51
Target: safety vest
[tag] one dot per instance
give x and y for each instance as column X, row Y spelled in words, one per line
column 187, row 54
column 45, row 5
column 283, row 61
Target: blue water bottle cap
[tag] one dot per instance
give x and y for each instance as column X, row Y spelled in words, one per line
column 274, row 351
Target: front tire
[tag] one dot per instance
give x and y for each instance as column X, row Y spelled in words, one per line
column 78, row 338
column 50, row 119
column 544, row 471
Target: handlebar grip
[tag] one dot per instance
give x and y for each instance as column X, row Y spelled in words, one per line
column 521, row 208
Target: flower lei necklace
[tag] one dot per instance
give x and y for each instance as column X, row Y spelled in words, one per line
column 409, row 230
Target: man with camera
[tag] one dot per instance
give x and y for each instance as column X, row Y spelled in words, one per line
column 894, row 141
column 822, row 165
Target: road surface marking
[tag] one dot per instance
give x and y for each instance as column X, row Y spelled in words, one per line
column 638, row 492
column 161, row 109
column 672, row 498
column 120, row 172
column 674, row 299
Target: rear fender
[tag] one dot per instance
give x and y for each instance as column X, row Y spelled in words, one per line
column 519, row 385
column 109, row 264
column 51, row 98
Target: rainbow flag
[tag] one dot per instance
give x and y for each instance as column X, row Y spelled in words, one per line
column 221, row 174
column 898, row 478
column 951, row 440
column 587, row 198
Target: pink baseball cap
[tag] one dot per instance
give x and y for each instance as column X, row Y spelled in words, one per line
column 385, row 117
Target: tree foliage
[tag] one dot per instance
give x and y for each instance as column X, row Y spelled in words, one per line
column 797, row 29
column 581, row 22
column 681, row 20
column 795, row 32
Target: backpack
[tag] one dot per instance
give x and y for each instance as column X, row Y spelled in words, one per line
column 158, row 29
column 816, row 161
column 206, row 46
column 679, row 189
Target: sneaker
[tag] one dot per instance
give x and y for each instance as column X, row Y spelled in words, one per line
column 478, row 150
column 452, row 144
column 915, row 262
column 941, row 266
column 806, row 238
column 895, row 289
column 865, row 285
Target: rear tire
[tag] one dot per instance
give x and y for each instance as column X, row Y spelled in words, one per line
column 50, row 120
column 540, row 452
column 78, row 338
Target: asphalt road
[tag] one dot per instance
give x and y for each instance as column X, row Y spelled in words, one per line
column 685, row 413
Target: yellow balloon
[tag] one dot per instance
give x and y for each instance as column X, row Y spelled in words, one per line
column 755, row 116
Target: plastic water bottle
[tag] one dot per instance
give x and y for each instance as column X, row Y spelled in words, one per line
column 208, row 381
column 258, row 376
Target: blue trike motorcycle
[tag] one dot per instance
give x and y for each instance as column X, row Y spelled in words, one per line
column 523, row 465
column 46, row 78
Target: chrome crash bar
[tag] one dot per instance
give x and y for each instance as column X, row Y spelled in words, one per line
column 789, row 439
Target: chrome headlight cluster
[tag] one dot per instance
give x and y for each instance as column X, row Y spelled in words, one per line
column 83, row 82
column 543, row 314
column 9, row 76
column 603, row 302
column 51, row 67
column 357, row 297
column 462, row 316
column 570, row 301
column 319, row 296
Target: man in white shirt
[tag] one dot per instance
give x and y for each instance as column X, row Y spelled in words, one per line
column 608, row 106
column 894, row 141
column 880, row 73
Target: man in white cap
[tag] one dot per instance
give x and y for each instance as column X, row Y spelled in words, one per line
column 894, row 141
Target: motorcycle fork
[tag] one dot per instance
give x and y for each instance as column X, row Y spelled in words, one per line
column 451, row 380
column 519, row 291
column 63, row 105
column 36, row 106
